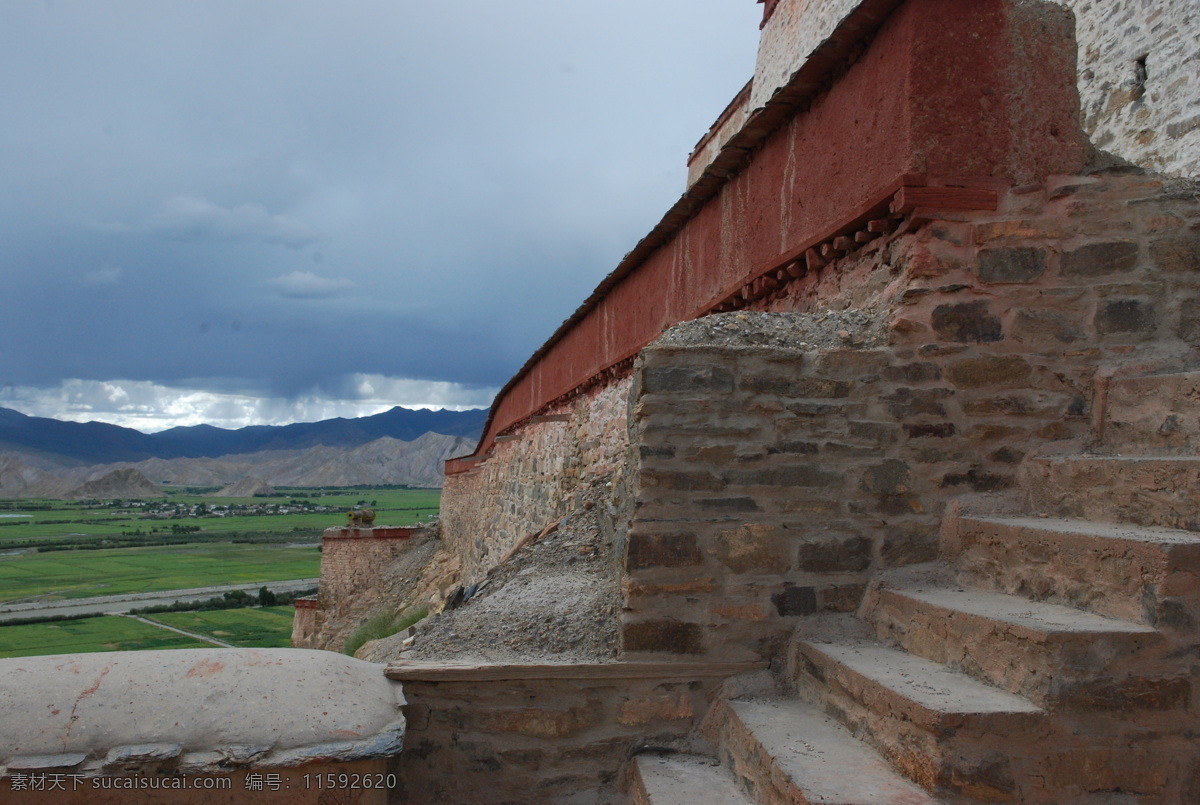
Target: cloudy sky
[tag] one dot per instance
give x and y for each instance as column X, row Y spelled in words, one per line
column 264, row 211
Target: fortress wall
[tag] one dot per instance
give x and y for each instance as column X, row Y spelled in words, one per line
column 887, row 119
column 352, row 560
column 1139, row 70
column 532, row 476
column 771, row 483
column 1139, row 76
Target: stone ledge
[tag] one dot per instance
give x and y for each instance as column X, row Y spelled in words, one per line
column 194, row 711
column 372, row 532
column 420, row 671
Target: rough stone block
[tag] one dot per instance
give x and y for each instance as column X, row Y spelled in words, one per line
column 905, row 402
column 1177, row 254
column 674, row 707
column 804, row 475
column 681, row 481
column 1042, row 326
column 730, row 505
column 668, row 636
column 1140, row 693
column 797, row 387
column 541, row 723
column 1096, row 259
column 937, row 430
column 662, row 550
column 890, row 477
column 1002, row 371
column 966, row 322
column 1125, row 316
column 795, row 601
column 678, row 379
column 848, row 555
column 754, row 547
column 877, row 433
column 808, row 448
column 919, row 372
column 740, row 612
column 1011, row 265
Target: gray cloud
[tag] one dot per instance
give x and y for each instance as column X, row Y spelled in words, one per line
column 445, row 181
column 189, row 218
column 307, row 285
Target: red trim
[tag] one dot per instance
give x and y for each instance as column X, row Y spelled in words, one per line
column 769, row 7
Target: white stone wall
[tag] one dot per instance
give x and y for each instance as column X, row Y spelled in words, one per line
column 1139, row 78
column 1139, row 71
column 794, row 31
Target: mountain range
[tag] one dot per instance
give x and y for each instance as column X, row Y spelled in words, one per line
column 64, row 444
column 42, row 457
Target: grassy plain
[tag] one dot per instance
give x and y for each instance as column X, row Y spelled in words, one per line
column 80, row 574
column 202, row 558
column 105, row 633
column 253, row 627
column 59, row 518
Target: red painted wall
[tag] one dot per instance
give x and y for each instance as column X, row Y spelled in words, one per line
column 947, row 88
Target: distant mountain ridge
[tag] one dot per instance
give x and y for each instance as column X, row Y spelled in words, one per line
column 385, row 460
column 56, row 443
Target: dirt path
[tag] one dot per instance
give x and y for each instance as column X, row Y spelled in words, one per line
column 202, row 638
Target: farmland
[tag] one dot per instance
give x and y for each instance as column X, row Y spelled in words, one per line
column 82, row 574
column 264, row 627
column 107, row 633
column 53, row 550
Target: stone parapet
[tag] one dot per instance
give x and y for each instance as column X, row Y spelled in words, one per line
column 194, row 720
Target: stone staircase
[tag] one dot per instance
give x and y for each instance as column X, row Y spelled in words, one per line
column 1049, row 658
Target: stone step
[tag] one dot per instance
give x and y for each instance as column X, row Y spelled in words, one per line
column 1142, row 574
column 938, row 727
column 1144, row 490
column 789, row 752
column 1152, row 415
column 1044, row 652
column 659, row 779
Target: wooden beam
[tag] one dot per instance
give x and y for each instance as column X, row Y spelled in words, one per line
column 908, row 199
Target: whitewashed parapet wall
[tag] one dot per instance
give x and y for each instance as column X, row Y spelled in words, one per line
column 1139, row 78
column 1139, row 71
column 794, row 31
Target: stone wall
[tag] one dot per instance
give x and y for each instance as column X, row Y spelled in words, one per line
column 795, row 29
column 362, row 573
column 353, row 559
column 533, row 475
column 1139, row 78
column 771, row 482
column 505, row 735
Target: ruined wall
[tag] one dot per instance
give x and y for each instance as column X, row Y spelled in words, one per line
column 532, row 477
column 1139, row 77
column 353, row 559
column 773, row 481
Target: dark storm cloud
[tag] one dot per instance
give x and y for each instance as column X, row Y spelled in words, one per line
column 290, row 196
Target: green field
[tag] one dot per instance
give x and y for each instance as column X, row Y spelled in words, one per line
column 106, row 633
column 58, row 518
column 254, row 627
column 80, row 574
